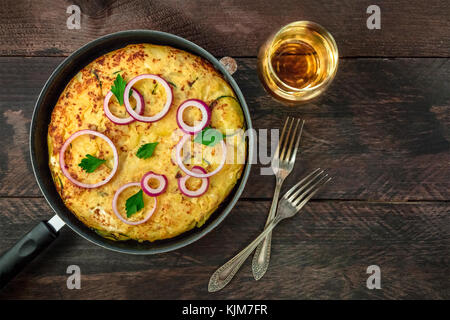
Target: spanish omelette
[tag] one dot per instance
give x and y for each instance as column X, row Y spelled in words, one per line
column 80, row 106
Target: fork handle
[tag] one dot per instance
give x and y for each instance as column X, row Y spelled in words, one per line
column 222, row 276
column 260, row 262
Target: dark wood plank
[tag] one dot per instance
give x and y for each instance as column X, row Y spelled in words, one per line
column 382, row 128
column 322, row 253
column 234, row 28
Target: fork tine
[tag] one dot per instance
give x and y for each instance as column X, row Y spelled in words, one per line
column 286, row 140
column 294, row 154
column 289, row 192
column 291, row 142
column 305, row 195
column 312, row 194
column 277, row 150
column 294, row 196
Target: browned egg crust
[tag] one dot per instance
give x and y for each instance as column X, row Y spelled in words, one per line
column 80, row 106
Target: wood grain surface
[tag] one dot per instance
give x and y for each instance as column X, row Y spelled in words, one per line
column 382, row 130
column 321, row 254
column 233, row 28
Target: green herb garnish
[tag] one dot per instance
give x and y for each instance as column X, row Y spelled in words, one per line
column 221, row 97
column 134, row 203
column 90, row 163
column 146, row 150
column 191, row 83
column 102, row 194
column 119, row 88
column 216, row 101
column 172, row 84
column 61, row 184
column 209, row 137
column 116, row 72
column 154, row 88
column 98, row 78
column 206, row 161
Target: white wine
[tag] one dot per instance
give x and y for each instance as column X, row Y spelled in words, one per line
column 298, row 62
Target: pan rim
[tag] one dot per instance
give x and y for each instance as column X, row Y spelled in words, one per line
column 199, row 233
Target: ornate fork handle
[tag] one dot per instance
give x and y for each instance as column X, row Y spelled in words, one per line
column 225, row 273
column 261, row 258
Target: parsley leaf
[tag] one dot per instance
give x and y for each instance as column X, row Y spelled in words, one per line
column 134, row 203
column 209, row 137
column 90, row 163
column 119, row 88
column 146, row 150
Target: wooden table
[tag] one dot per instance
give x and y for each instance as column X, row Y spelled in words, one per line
column 382, row 129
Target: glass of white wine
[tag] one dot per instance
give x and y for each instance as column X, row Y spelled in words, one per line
column 297, row 63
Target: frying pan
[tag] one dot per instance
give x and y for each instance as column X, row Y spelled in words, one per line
column 45, row 232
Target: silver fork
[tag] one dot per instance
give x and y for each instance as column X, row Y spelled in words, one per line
column 291, row 203
column 282, row 164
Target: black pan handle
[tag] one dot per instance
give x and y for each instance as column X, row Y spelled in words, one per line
column 25, row 250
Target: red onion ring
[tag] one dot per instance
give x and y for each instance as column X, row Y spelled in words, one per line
column 150, row 191
column 116, row 211
column 180, row 163
column 196, row 193
column 206, row 116
column 62, row 162
column 139, row 108
column 165, row 109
